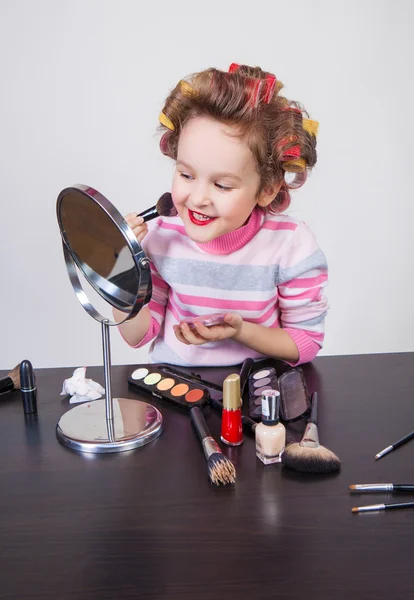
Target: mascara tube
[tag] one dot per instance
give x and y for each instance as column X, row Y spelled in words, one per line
column 231, row 416
column 28, row 387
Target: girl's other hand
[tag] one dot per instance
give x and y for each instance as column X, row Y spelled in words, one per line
column 200, row 334
column 139, row 228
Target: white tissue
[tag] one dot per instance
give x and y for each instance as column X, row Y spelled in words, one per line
column 80, row 388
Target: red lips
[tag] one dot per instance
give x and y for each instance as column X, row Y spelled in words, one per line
column 200, row 222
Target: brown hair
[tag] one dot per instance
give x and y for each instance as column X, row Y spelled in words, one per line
column 271, row 125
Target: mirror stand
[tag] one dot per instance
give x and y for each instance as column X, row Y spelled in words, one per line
column 98, row 243
column 112, row 424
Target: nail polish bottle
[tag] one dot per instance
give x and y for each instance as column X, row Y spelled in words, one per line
column 231, row 421
column 270, row 433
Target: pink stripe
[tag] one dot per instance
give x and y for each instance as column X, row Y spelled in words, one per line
column 179, row 228
column 313, row 294
column 155, row 306
column 306, row 282
column 225, row 304
column 179, row 312
column 172, row 309
column 157, row 281
column 280, row 225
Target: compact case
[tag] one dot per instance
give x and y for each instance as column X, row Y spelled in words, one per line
column 163, row 381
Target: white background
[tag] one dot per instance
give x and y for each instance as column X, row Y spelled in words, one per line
column 82, row 84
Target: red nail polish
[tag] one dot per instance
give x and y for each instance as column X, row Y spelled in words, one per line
column 231, row 423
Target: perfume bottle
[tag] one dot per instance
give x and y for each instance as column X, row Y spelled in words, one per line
column 270, row 433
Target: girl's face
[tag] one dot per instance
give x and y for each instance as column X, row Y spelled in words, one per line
column 215, row 182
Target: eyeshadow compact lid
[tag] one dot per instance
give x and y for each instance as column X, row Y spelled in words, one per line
column 295, row 402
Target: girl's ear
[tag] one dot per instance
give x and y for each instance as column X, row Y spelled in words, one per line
column 267, row 195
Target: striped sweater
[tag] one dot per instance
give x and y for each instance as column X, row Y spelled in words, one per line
column 270, row 271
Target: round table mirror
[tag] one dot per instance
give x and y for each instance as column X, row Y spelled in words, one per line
column 99, row 246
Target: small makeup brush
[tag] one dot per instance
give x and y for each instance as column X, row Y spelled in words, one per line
column 308, row 456
column 382, row 487
column 11, row 381
column 164, row 208
column 220, row 469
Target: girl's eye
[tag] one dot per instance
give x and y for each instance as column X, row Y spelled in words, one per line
column 224, row 188
column 185, row 176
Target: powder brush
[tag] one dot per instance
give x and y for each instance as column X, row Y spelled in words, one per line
column 164, row 208
column 220, row 469
column 11, row 381
column 308, row 456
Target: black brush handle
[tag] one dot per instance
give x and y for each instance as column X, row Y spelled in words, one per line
column 403, row 487
column 244, row 373
column 150, row 213
column 199, row 423
column 6, row 384
column 314, row 412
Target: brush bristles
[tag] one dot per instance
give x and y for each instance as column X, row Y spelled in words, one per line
column 15, row 376
column 165, row 206
column 220, row 469
column 310, row 460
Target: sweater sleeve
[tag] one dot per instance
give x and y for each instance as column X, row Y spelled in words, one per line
column 157, row 306
column 303, row 276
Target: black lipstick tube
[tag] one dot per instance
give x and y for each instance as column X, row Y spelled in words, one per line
column 28, row 387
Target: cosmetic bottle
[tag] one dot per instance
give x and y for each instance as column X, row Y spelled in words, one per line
column 270, row 433
column 231, row 421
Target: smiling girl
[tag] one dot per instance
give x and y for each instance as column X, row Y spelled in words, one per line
column 230, row 250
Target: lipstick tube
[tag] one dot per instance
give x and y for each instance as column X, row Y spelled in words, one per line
column 231, row 416
column 28, row 387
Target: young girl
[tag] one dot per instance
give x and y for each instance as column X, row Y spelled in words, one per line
column 229, row 250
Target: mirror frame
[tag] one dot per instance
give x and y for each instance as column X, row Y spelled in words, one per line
column 140, row 259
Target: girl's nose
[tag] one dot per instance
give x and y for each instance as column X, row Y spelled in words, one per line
column 199, row 197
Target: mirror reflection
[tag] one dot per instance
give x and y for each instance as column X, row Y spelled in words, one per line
column 99, row 250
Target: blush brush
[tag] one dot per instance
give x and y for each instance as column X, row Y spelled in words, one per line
column 164, row 208
column 308, row 456
column 11, row 381
column 220, row 469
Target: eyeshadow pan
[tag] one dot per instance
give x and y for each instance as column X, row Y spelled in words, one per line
column 261, row 374
column 152, row 378
column 139, row 373
column 194, row 395
column 180, row 389
column 166, row 384
column 262, row 382
column 259, row 391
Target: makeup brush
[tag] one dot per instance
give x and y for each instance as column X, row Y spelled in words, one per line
column 382, row 487
column 164, row 208
column 378, row 507
column 308, row 456
column 220, row 469
column 11, row 381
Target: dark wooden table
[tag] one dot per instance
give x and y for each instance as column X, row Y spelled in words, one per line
column 147, row 523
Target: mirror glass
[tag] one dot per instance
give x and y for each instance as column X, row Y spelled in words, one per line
column 99, row 246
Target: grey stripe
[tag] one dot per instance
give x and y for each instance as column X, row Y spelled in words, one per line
column 204, row 273
column 317, row 260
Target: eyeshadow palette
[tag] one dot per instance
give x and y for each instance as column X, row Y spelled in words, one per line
column 169, row 384
column 260, row 380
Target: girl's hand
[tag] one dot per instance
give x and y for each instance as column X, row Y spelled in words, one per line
column 201, row 334
column 139, row 228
